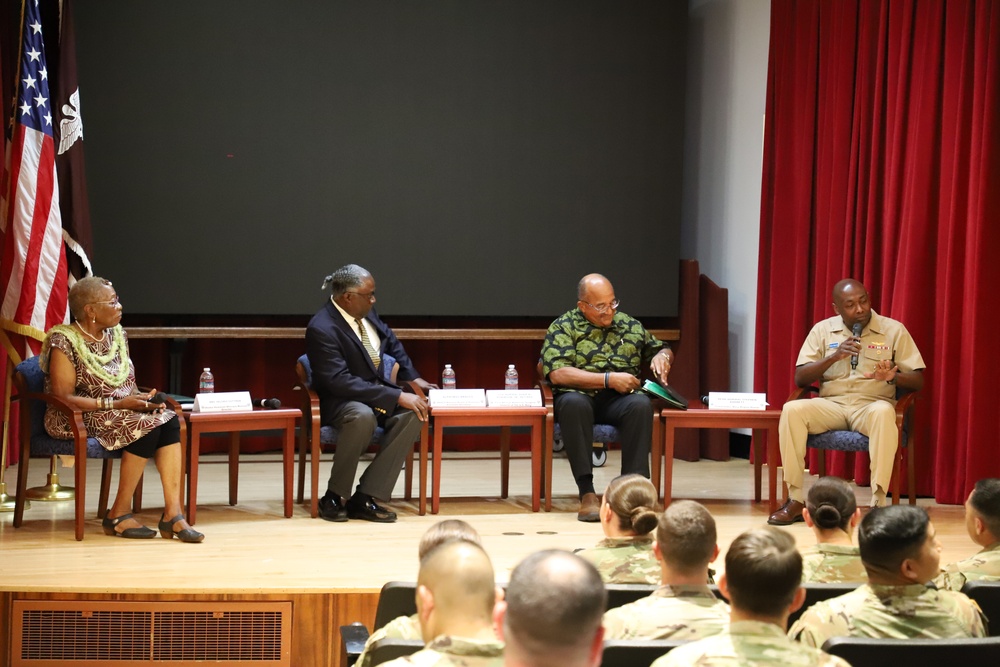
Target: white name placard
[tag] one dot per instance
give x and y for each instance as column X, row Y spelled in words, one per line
column 732, row 400
column 457, row 398
column 225, row 401
column 513, row 398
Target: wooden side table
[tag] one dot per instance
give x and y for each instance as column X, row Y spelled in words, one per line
column 504, row 418
column 763, row 422
column 234, row 422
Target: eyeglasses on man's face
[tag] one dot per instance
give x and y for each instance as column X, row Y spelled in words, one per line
column 365, row 295
column 604, row 307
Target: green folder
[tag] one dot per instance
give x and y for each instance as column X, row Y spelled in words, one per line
column 667, row 394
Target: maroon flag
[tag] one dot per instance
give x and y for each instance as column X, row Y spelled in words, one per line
column 69, row 154
column 33, row 271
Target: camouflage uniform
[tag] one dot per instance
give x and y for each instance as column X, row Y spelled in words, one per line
column 748, row 643
column 625, row 560
column 984, row 566
column 401, row 627
column 893, row 612
column 671, row 612
column 446, row 651
column 833, row 564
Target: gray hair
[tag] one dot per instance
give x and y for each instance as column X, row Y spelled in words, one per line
column 85, row 292
column 345, row 279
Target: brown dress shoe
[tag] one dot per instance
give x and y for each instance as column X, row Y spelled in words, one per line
column 787, row 514
column 590, row 508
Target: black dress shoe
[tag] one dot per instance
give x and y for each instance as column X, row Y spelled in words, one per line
column 368, row 510
column 331, row 509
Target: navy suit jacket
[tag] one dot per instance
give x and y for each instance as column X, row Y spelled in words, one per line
column 343, row 371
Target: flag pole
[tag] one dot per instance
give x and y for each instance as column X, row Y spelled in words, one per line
column 7, row 502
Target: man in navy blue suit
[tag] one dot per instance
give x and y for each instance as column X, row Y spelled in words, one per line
column 350, row 349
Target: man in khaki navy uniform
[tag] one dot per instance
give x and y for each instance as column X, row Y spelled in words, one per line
column 456, row 594
column 982, row 520
column 901, row 553
column 684, row 607
column 858, row 399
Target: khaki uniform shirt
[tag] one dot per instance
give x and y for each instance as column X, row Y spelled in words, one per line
column 748, row 643
column 883, row 338
column 401, row 627
column 893, row 612
column 984, row 566
column 671, row 612
column 446, row 651
column 625, row 560
column 833, row 564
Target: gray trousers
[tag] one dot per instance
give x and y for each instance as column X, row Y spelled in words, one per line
column 355, row 423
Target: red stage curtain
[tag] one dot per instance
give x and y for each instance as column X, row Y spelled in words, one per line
column 882, row 162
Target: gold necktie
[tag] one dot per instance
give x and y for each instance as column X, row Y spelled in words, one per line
column 372, row 352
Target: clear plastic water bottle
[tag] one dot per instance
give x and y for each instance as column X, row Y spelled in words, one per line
column 510, row 378
column 206, row 383
column 448, row 377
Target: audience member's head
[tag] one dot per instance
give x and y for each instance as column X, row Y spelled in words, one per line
column 899, row 546
column 763, row 571
column 553, row 612
column 830, row 506
column 982, row 512
column 455, row 591
column 686, row 540
column 631, row 499
column 444, row 531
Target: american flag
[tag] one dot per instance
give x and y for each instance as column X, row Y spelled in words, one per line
column 33, row 273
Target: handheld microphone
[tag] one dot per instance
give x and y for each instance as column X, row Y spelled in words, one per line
column 269, row 403
column 160, row 398
column 856, row 330
column 704, row 399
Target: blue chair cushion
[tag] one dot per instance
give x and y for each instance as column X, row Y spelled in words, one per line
column 42, row 444
column 843, row 441
column 602, row 433
column 328, row 434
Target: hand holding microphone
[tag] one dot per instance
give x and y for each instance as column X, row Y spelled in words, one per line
column 856, row 331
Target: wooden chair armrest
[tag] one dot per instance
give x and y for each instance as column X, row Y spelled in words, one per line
column 906, row 402
column 415, row 388
column 73, row 415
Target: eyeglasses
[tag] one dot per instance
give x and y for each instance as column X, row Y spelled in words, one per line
column 370, row 295
column 114, row 302
column 604, row 308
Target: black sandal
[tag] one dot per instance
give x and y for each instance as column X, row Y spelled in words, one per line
column 184, row 534
column 140, row 533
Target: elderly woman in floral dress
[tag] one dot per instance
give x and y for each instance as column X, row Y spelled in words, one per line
column 87, row 365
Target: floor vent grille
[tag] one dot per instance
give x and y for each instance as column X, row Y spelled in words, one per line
column 53, row 632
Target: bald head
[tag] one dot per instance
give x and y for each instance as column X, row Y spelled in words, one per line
column 848, row 286
column 851, row 302
column 456, row 590
column 596, row 299
column 555, row 603
column 590, row 282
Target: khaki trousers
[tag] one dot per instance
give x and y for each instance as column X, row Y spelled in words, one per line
column 873, row 417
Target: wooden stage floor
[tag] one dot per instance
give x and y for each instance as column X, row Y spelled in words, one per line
column 252, row 551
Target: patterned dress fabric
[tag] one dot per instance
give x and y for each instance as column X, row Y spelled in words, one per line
column 671, row 612
column 114, row 429
column 624, row 560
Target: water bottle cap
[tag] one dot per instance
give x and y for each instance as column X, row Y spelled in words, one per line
column 511, row 366
column 447, row 365
column 206, row 369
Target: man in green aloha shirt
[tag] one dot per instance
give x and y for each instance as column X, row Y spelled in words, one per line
column 593, row 356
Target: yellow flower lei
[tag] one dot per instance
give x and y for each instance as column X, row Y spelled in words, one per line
column 94, row 362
